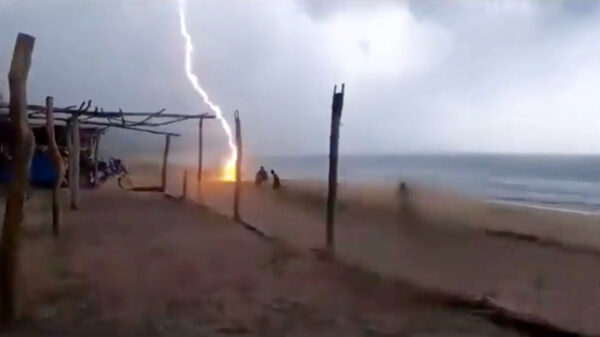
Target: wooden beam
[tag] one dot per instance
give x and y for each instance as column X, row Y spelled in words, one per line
column 336, row 116
column 74, row 163
column 104, row 114
column 115, row 125
column 165, row 163
column 57, row 162
column 199, row 175
column 238, row 167
column 23, row 145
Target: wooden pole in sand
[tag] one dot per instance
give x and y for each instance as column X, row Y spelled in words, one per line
column 23, row 146
column 184, row 187
column 163, row 180
column 238, row 167
column 74, row 165
column 96, row 149
column 336, row 116
column 199, row 152
column 56, row 162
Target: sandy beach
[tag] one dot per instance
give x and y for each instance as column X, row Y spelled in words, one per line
column 130, row 264
column 542, row 264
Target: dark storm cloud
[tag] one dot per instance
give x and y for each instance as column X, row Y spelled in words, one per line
column 421, row 75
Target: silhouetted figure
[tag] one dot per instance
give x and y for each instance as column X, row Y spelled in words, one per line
column 403, row 197
column 261, row 176
column 276, row 182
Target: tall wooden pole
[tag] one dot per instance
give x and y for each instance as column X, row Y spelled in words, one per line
column 74, row 164
column 165, row 162
column 57, row 162
column 23, row 145
column 184, row 186
column 336, row 116
column 238, row 167
column 96, row 149
column 199, row 152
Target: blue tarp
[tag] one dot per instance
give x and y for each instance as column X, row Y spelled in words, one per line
column 42, row 171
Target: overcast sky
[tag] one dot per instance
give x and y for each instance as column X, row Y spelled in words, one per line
column 477, row 76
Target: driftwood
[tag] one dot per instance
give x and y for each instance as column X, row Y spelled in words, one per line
column 74, row 154
column 238, row 167
column 336, row 116
column 163, row 180
column 58, row 165
column 22, row 153
column 146, row 189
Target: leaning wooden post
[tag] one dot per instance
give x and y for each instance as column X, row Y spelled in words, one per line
column 96, row 149
column 74, row 156
column 165, row 162
column 54, row 154
column 23, row 145
column 199, row 152
column 238, row 167
column 336, row 116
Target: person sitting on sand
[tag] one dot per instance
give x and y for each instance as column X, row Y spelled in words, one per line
column 276, row 182
column 261, row 176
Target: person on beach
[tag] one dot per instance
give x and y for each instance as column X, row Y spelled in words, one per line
column 261, row 176
column 403, row 197
column 276, row 182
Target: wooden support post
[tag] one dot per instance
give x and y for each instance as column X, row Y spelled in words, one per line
column 184, row 187
column 336, row 116
column 74, row 163
column 96, row 149
column 57, row 162
column 69, row 141
column 199, row 152
column 23, row 146
column 163, row 180
column 238, row 167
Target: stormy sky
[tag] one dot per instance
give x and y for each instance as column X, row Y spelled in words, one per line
column 421, row 76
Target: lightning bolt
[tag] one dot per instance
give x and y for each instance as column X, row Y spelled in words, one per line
column 229, row 169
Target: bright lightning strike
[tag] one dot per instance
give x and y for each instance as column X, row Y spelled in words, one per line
column 228, row 173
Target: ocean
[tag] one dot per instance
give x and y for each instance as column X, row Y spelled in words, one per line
column 560, row 182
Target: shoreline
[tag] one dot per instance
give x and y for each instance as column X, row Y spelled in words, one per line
column 526, row 205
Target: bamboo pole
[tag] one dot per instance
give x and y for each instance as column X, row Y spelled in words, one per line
column 74, row 156
column 238, row 167
column 57, row 162
column 23, row 145
column 336, row 116
column 165, row 162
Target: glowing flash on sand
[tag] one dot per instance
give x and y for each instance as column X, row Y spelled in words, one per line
column 228, row 173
